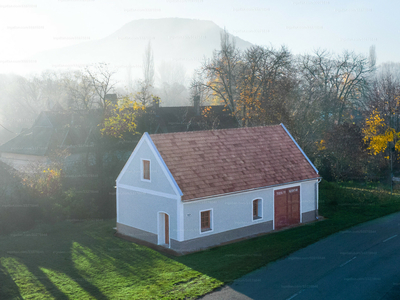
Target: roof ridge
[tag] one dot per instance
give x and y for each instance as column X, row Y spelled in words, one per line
column 220, row 129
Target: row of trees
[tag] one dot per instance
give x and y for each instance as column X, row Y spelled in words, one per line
column 23, row 98
column 266, row 85
column 341, row 108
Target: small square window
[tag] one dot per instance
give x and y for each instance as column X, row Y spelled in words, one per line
column 257, row 209
column 146, row 169
column 206, row 220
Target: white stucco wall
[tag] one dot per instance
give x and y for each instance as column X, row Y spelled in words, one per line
column 140, row 210
column 307, row 192
column 158, row 180
column 235, row 211
column 228, row 212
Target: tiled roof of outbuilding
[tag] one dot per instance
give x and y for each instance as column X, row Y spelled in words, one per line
column 53, row 129
column 207, row 163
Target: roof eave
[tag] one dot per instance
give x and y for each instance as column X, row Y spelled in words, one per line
column 253, row 189
column 175, row 184
column 301, row 150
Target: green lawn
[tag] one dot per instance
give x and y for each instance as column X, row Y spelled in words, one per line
column 85, row 260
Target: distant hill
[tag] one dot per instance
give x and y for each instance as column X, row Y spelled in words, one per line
column 174, row 41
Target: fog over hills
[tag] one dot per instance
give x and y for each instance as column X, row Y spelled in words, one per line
column 175, row 41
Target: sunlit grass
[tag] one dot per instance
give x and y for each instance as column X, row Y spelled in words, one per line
column 67, row 285
column 153, row 277
column 28, row 284
column 85, row 261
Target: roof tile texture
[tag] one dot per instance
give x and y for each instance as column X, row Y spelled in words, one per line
column 207, row 163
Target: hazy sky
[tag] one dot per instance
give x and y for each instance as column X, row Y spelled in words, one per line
column 28, row 27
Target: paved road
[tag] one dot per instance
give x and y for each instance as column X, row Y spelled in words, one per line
column 362, row 262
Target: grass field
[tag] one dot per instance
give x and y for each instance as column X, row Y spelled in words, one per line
column 85, row 261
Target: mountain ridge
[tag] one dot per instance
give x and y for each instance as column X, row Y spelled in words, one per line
column 174, row 40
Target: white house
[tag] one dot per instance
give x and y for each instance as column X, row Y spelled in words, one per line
column 193, row 190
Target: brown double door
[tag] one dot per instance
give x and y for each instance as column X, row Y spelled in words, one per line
column 287, row 207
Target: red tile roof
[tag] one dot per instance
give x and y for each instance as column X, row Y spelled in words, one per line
column 207, row 163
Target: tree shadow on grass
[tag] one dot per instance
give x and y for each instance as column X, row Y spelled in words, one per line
column 74, row 276
column 78, row 261
column 8, row 288
column 86, row 260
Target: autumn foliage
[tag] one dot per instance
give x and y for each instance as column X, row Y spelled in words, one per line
column 377, row 134
column 122, row 118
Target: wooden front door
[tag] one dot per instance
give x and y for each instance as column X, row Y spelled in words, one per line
column 294, row 205
column 166, row 229
column 287, row 207
column 281, row 212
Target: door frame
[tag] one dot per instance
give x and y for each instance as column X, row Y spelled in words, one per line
column 161, row 229
column 283, row 188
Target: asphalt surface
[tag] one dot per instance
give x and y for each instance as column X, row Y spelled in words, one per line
column 362, row 262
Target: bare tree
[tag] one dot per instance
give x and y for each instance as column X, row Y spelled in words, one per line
column 220, row 74
column 264, row 84
column 148, row 66
column 129, row 79
column 254, row 84
column 22, row 98
column 385, row 94
column 101, row 81
column 171, row 78
column 145, row 86
column 197, row 92
column 80, row 90
column 337, row 83
column 372, row 57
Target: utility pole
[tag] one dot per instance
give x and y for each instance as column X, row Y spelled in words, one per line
column 391, row 168
column 393, row 144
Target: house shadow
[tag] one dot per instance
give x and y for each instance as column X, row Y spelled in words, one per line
column 213, row 261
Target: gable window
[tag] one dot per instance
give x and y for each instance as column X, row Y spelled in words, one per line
column 205, row 220
column 146, row 169
column 257, row 210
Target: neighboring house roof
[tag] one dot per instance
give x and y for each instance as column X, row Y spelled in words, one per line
column 62, row 128
column 54, row 129
column 33, row 141
column 208, row 163
column 56, row 106
column 186, row 118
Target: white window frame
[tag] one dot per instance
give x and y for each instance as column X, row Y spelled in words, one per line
column 260, row 209
column 142, row 170
column 211, row 221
